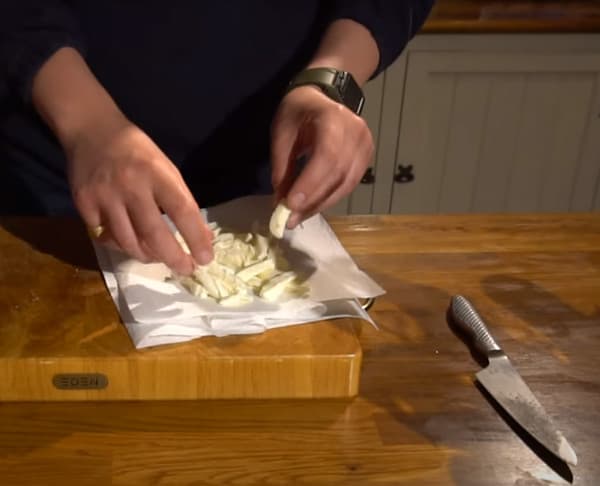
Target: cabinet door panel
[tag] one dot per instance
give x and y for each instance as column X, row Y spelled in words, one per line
column 464, row 142
column 430, row 116
column 391, row 109
column 536, row 121
column 588, row 173
column 497, row 132
column 499, row 138
column 559, row 171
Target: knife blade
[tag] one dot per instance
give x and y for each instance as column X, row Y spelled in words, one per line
column 504, row 383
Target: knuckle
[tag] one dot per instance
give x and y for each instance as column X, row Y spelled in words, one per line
column 328, row 122
column 329, row 149
column 185, row 207
column 128, row 244
column 179, row 259
column 83, row 195
column 336, row 110
column 151, row 234
column 332, row 123
column 365, row 133
column 127, row 175
column 173, row 256
column 361, row 128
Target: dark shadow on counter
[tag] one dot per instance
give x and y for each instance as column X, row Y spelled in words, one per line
column 64, row 238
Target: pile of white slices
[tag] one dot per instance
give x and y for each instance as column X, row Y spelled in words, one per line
column 245, row 266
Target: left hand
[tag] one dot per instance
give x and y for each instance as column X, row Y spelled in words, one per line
column 337, row 143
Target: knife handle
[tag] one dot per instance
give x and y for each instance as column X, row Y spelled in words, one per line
column 468, row 320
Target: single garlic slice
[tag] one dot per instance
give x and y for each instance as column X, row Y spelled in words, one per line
column 193, row 287
column 275, row 286
column 261, row 247
column 236, row 300
column 279, row 220
column 253, row 270
column 202, row 275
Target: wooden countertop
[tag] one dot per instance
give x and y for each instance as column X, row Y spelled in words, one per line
column 489, row 16
column 418, row 419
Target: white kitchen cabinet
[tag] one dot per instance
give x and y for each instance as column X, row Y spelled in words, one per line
column 488, row 123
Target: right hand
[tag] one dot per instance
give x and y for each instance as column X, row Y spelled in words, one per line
column 121, row 180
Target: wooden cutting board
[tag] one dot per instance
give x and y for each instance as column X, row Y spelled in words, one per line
column 61, row 337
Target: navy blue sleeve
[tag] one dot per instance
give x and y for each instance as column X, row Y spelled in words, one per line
column 30, row 32
column 392, row 23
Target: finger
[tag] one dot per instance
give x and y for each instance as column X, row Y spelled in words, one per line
column 346, row 167
column 345, row 187
column 88, row 208
column 283, row 147
column 153, row 231
column 319, row 194
column 120, row 230
column 179, row 204
column 109, row 242
column 297, row 216
column 118, row 233
column 329, row 157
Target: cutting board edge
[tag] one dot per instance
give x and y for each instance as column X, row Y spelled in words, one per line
column 335, row 376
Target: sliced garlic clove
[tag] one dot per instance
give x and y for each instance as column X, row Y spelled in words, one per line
column 253, row 270
column 236, row 300
column 202, row 275
column 261, row 247
column 279, row 220
column 224, row 237
column 224, row 289
column 193, row 287
column 254, row 283
column 275, row 286
column 298, row 291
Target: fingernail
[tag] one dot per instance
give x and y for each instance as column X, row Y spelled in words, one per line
column 295, row 201
column 189, row 266
column 205, row 257
column 293, row 220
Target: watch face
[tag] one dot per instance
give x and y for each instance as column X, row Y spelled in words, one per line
column 351, row 93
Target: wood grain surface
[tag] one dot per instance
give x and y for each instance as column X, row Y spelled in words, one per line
column 418, row 419
column 481, row 16
column 59, row 320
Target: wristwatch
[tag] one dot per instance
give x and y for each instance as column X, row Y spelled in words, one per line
column 338, row 85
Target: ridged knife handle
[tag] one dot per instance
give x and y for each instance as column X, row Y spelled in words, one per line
column 470, row 322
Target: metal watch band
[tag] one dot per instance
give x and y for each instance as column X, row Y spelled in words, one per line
column 340, row 86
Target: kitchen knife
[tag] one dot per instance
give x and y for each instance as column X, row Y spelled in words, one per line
column 505, row 384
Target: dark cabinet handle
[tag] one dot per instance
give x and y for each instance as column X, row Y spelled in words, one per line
column 404, row 174
column 368, row 177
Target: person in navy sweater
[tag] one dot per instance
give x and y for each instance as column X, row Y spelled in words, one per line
column 120, row 111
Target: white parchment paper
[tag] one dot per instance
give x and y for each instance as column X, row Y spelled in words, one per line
column 158, row 312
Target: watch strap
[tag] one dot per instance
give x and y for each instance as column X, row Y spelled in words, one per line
column 338, row 85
